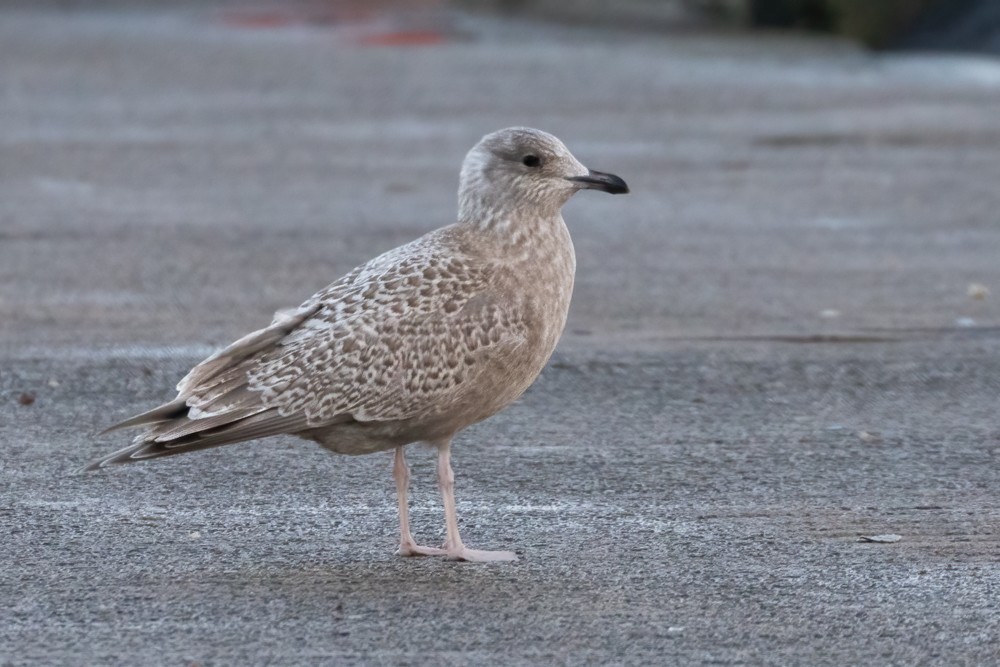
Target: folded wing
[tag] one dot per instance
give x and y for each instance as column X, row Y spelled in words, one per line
column 389, row 341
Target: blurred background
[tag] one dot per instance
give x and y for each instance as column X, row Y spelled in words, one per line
column 958, row 24
column 931, row 24
column 785, row 339
column 806, row 167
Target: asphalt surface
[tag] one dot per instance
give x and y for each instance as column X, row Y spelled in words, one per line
column 775, row 346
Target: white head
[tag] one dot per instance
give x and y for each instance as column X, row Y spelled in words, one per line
column 519, row 171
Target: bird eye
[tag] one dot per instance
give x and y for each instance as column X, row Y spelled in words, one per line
column 532, row 161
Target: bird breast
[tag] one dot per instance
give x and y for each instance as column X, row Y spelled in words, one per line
column 542, row 269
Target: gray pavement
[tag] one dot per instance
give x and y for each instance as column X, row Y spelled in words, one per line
column 772, row 351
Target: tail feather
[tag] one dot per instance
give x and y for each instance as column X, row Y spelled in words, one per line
column 149, row 446
column 180, row 428
column 175, row 409
column 214, row 406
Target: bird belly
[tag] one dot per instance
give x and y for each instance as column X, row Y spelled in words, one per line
column 356, row 438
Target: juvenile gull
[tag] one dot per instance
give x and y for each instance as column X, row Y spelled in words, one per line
column 415, row 345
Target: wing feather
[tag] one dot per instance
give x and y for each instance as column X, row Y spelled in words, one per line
column 392, row 340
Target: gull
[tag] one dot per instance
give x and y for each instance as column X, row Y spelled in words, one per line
column 413, row 346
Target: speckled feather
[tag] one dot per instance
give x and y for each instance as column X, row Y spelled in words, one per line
column 416, row 344
column 396, row 339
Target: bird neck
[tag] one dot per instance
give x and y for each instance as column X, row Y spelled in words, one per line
column 516, row 226
column 481, row 207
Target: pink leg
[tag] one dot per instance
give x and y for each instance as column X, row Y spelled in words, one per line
column 453, row 546
column 407, row 546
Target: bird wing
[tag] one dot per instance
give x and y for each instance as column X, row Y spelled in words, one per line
column 409, row 331
column 391, row 340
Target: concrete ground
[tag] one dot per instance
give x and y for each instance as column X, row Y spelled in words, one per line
column 776, row 345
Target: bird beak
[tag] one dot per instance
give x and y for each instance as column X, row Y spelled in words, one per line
column 598, row 180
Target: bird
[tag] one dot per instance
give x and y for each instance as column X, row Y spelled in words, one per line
column 413, row 346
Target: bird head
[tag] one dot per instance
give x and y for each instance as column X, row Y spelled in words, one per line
column 520, row 170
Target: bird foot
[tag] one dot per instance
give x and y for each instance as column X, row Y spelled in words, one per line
column 461, row 553
column 411, row 550
column 476, row 556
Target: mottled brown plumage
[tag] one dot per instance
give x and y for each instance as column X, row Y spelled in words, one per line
column 414, row 345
